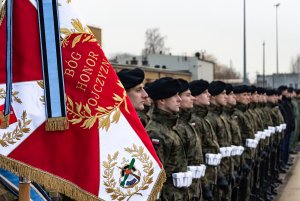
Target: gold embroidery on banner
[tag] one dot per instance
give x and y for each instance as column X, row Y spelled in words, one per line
column 84, row 32
column 82, row 113
column 14, row 95
column 17, row 133
column 41, row 84
column 112, row 187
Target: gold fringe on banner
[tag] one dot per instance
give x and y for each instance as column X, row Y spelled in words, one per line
column 57, row 124
column 49, row 181
column 2, row 11
column 161, row 179
column 4, row 121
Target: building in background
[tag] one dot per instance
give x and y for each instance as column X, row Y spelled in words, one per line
column 195, row 66
column 276, row 80
column 152, row 74
column 97, row 33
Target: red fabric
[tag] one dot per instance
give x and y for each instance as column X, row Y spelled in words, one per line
column 72, row 155
column 26, row 48
column 89, row 80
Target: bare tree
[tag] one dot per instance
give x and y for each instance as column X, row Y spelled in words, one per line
column 222, row 71
column 295, row 65
column 155, row 42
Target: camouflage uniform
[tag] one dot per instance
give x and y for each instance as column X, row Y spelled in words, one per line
column 209, row 143
column 192, row 145
column 170, row 150
column 248, row 155
column 237, row 141
column 222, row 130
column 257, row 125
column 144, row 115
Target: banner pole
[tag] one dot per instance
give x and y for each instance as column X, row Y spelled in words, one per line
column 24, row 189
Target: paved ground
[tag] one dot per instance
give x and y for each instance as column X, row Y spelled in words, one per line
column 290, row 189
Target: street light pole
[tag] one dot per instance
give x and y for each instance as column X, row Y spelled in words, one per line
column 264, row 64
column 277, row 5
column 245, row 71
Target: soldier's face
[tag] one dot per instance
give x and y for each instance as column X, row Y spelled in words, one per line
column 271, row 99
column 137, row 96
column 221, row 99
column 243, row 98
column 231, row 100
column 187, row 100
column 148, row 101
column 171, row 104
column 202, row 99
column 254, row 97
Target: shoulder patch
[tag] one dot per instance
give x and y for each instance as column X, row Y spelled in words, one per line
column 155, row 141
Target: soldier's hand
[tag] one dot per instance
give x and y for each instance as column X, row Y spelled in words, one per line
column 222, row 183
column 207, row 193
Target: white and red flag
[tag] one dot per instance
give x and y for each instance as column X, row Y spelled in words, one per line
column 106, row 153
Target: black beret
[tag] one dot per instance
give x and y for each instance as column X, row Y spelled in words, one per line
column 198, row 87
column 216, row 87
column 131, row 77
column 261, row 90
column 281, row 89
column 163, row 88
column 146, row 86
column 229, row 88
column 271, row 92
column 290, row 89
column 253, row 89
column 241, row 89
column 184, row 85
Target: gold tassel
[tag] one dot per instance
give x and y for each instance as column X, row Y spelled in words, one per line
column 57, row 124
column 161, row 179
column 4, row 121
column 2, row 11
column 49, row 181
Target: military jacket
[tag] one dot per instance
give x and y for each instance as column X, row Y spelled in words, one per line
column 170, row 150
column 144, row 115
column 222, row 130
column 192, row 145
column 245, row 128
column 235, row 133
column 167, row 143
column 208, row 139
column 190, row 138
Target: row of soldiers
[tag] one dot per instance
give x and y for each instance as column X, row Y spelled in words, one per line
column 242, row 134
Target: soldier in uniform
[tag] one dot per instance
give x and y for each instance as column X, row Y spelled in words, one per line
column 199, row 89
column 236, row 139
column 189, row 137
column 243, row 99
column 132, row 80
column 295, row 133
column 286, row 109
column 166, row 140
column 220, row 126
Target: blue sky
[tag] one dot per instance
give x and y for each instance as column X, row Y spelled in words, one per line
column 215, row 26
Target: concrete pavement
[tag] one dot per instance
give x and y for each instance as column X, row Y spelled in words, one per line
column 290, row 189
